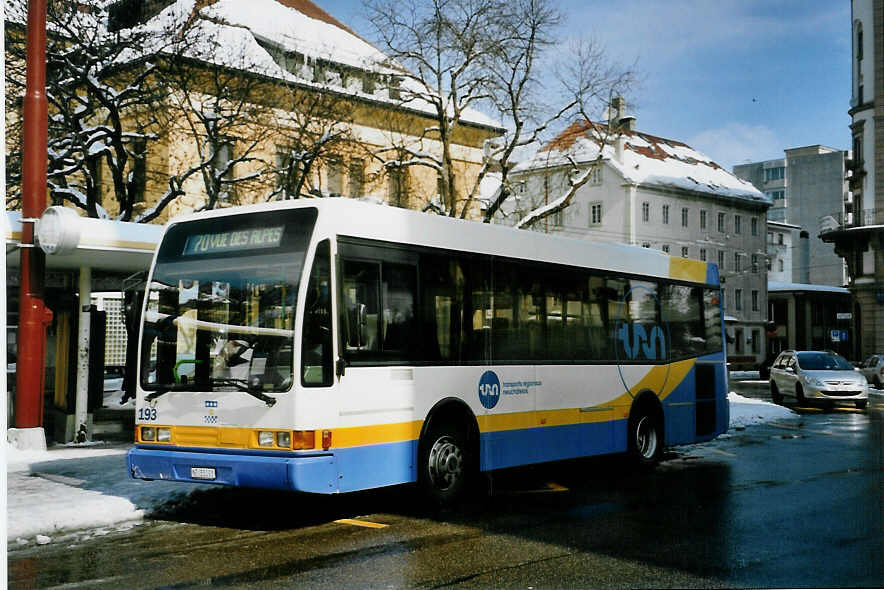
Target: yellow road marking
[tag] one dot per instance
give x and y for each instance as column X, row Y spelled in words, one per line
column 550, row 487
column 362, row 523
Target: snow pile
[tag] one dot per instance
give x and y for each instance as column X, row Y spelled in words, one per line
column 746, row 411
column 76, row 487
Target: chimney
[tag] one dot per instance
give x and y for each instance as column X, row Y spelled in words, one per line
column 627, row 123
column 616, row 110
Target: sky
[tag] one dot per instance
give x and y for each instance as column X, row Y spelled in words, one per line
column 739, row 80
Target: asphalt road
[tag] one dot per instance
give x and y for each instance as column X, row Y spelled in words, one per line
column 797, row 503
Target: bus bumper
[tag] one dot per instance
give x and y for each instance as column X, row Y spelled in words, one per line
column 312, row 473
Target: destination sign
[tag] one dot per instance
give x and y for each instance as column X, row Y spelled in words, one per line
column 233, row 241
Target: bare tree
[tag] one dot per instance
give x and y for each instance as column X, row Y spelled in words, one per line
column 103, row 96
column 457, row 54
column 595, row 85
column 313, row 128
column 439, row 51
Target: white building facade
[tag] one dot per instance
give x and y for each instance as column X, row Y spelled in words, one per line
column 661, row 194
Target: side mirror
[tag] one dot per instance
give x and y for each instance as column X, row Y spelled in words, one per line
column 790, row 369
column 361, row 325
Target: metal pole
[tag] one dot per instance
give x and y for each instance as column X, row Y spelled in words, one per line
column 82, row 401
column 33, row 314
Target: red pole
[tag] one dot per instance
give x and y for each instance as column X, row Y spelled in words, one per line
column 33, row 315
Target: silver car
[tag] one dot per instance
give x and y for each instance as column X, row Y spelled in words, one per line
column 816, row 376
column 873, row 369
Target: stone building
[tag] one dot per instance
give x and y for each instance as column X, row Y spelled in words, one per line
column 657, row 193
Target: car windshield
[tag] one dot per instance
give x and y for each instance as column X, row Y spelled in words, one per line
column 221, row 303
column 823, row 361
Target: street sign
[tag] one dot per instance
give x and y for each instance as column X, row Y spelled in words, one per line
column 844, row 316
column 835, row 335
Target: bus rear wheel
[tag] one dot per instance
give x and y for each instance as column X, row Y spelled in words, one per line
column 645, row 437
column 445, row 465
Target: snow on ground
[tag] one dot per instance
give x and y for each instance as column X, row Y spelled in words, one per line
column 53, row 493
column 747, row 411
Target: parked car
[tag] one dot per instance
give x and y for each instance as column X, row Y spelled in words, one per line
column 817, row 376
column 873, row 369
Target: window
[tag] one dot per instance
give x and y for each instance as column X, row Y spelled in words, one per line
column 595, row 213
column 646, row 211
column 754, row 300
column 769, row 264
column 756, row 341
column 559, row 218
column 770, row 239
column 754, row 224
column 223, row 167
column 780, row 239
column 316, row 341
column 357, row 178
column 755, row 263
column 138, row 178
column 397, row 187
column 721, row 260
column 702, row 220
column 379, row 307
column 738, row 299
column 684, row 216
column 738, row 257
column 780, row 265
column 721, row 223
column 684, row 251
column 335, row 177
column 666, row 248
column 666, row 214
column 703, row 254
column 778, row 173
column 738, row 224
column 738, row 340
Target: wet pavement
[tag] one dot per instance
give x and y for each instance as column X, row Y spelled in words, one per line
column 795, row 503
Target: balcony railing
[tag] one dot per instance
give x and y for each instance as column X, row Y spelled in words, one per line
column 839, row 221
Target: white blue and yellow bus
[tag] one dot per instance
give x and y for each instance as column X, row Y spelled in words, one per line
column 327, row 346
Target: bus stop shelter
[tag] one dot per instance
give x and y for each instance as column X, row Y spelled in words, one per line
column 83, row 255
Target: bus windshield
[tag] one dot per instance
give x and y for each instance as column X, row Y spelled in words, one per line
column 221, row 304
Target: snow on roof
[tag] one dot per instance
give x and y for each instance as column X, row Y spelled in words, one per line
column 242, row 35
column 779, row 287
column 646, row 160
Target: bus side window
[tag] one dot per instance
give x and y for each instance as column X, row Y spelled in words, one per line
column 316, row 342
column 399, row 289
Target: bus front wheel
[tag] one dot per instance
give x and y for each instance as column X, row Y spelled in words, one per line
column 645, row 437
column 445, row 465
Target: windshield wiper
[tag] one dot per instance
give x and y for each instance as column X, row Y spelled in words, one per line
column 242, row 385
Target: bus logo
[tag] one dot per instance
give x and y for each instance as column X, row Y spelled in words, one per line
column 489, row 389
column 652, row 346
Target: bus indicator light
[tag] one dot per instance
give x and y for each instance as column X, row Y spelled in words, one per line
column 326, row 440
column 304, row 439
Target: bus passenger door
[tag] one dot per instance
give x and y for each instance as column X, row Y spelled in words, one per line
column 378, row 327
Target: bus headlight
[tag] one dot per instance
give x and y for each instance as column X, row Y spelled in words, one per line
column 164, row 435
column 284, row 439
column 148, row 433
column 265, row 439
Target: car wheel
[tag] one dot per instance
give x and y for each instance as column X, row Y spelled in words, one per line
column 645, row 437
column 799, row 394
column 775, row 394
column 445, row 465
column 862, row 403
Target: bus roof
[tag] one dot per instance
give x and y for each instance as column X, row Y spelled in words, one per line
column 342, row 216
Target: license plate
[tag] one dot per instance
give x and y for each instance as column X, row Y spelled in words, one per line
column 202, row 472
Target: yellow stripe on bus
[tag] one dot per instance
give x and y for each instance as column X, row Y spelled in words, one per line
column 663, row 379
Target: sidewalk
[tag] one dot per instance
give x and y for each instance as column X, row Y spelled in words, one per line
column 76, row 487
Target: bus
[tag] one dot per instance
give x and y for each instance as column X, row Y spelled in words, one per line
column 330, row 345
